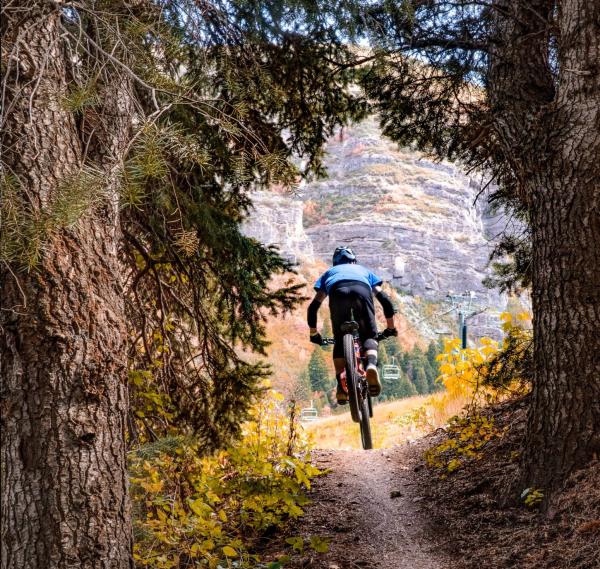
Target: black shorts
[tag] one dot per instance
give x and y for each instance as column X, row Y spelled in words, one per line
column 351, row 300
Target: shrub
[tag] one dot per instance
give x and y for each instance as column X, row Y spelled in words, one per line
column 512, row 367
column 467, row 436
column 474, row 376
column 207, row 511
column 489, row 371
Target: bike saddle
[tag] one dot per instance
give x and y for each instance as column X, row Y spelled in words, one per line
column 349, row 327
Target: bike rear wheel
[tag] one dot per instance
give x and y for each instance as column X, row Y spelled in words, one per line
column 350, row 364
column 365, row 425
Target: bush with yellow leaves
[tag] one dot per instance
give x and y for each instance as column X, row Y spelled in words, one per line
column 510, row 370
column 467, row 437
column 489, row 371
column 207, row 511
column 473, row 377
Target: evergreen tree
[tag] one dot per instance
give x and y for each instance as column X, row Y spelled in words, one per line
column 405, row 387
column 318, row 374
column 430, row 376
column 431, row 353
column 390, row 386
column 405, row 363
column 130, row 148
column 420, row 380
column 433, row 350
column 535, row 67
column 382, row 358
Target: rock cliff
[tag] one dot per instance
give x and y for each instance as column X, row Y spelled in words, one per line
column 412, row 220
column 278, row 220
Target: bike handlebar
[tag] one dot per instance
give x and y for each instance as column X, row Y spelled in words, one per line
column 330, row 341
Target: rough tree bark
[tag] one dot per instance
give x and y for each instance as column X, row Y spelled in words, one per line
column 564, row 422
column 62, row 336
column 553, row 132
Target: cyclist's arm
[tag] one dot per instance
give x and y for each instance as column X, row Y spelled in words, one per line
column 313, row 308
column 386, row 304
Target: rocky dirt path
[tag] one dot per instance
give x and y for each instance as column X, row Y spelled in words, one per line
column 369, row 507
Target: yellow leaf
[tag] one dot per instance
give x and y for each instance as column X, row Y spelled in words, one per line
column 319, row 544
column 199, row 507
column 196, row 549
column 229, row 551
column 208, row 544
column 447, row 368
column 297, row 543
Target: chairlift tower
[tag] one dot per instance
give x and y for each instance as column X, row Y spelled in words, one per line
column 466, row 307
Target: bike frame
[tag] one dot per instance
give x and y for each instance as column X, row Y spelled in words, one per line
column 361, row 405
column 360, row 368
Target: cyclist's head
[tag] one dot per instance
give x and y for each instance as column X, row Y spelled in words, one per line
column 343, row 255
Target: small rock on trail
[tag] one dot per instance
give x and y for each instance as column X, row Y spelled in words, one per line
column 368, row 507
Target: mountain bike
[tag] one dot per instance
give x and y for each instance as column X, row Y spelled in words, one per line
column 354, row 380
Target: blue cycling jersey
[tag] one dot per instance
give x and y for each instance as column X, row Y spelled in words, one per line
column 346, row 272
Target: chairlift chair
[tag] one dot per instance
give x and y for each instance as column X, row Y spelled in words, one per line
column 308, row 414
column 391, row 371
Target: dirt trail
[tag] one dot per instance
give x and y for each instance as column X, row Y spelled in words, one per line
column 368, row 505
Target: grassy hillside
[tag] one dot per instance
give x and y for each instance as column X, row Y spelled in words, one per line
column 339, row 432
column 393, row 423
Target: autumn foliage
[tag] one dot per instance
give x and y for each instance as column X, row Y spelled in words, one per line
column 208, row 511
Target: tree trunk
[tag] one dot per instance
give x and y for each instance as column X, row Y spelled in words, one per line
column 564, row 420
column 62, row 342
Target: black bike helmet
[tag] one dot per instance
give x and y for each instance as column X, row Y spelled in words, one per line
column 343, row 255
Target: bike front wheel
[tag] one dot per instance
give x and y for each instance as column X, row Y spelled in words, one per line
column 351, row 384
column 365, row 425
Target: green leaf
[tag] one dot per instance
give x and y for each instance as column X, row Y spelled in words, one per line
column 297, row 543
column 319, row 544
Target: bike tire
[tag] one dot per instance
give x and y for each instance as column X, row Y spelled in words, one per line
column 370, row 399
column 365, row 426
column 350, row 364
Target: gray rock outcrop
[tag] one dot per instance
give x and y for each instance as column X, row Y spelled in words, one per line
column 414, row 221
column 277, row 220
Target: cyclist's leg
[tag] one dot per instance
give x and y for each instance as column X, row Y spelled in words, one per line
column 368, row 334
column 364, row 310
column 339, row 308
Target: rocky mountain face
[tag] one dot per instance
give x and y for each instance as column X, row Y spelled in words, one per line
column 278, row 220
column 413, row 221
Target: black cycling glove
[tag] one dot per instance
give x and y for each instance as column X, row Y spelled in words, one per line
column 390, row 332
column 317, row 339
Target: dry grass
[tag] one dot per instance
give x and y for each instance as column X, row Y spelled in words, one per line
column 393, row 423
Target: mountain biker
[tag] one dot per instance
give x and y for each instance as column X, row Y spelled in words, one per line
column 351, row 286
